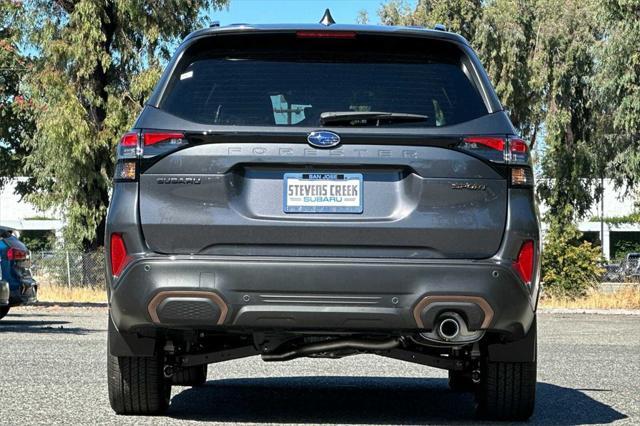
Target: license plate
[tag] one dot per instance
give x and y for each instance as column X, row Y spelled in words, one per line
column 323, row 193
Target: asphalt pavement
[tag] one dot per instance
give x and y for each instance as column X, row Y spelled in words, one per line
column 52, row 370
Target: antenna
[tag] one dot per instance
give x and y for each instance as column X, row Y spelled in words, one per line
column 327, row 19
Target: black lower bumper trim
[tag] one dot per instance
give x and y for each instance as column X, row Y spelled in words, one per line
column 316, row 294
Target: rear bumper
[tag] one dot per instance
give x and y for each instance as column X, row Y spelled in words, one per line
column 25, row 293
column 316, row 294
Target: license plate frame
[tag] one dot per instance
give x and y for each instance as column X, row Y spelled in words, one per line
column 323, row 204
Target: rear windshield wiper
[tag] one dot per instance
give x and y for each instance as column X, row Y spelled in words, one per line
column 370, row 117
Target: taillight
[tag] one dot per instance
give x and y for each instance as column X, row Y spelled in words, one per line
column 118, row 254
column 164, row 137
column 518, row 151
column 524, row 263
column 504, row 150
column 126, row 170
column 127, row 157
column 129, row 139
column 522, row 176
column 159, row 143
column 128, row 146
column 498, row 149
column 17, row 254
column 136, row 145
column 481, row 142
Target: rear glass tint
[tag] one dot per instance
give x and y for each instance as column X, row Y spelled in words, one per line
column 294, row 84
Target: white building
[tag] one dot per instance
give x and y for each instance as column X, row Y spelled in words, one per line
column 23, row 216
column 615, row 203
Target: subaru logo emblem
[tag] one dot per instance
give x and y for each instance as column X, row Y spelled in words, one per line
column 323, row 139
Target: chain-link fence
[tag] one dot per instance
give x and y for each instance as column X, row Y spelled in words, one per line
column 627, row 271
column 69, row 268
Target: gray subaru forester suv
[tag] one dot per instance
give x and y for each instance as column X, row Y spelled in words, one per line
column 323, row 191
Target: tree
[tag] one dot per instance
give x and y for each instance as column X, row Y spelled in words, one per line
column 503, row 32
column 461, row 16
column 96, row 63
column 15, row 117
column 540, row 56
column 566, row 60
column 507, row 41
column 618, row 83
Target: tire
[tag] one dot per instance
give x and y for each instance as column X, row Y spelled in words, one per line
column 4, row 310
column 190, row 376
column 460, row 381
column 507, row 390
column 137, row 385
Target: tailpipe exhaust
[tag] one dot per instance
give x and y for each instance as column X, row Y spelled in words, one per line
column 449, row 328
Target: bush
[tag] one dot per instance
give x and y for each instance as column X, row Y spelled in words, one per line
column 570, row 267
column 622, row 247
column 37, row 240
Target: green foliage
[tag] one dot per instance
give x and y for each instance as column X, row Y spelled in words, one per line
column 541, row 56
column 616, row 221
column 567, row 60
column 38, row 240
column 508, row 41
column 363, row 17
column 15, row 118
column 97, row 63
column 622, row 247
column 570, row 266
column 461, row 16
column 618, row 84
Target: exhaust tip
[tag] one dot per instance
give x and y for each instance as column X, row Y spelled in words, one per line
column 449, row 329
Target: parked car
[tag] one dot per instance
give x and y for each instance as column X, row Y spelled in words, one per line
column 15, row 266
column 323, row 191
column 4, row 293
column 631, row 267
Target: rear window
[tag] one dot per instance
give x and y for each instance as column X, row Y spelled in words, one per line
column 293, row 84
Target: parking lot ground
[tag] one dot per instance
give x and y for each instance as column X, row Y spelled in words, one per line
column 52, row 370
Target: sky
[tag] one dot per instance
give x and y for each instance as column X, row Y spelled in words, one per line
column 295, row 11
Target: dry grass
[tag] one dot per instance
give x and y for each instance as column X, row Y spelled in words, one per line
column 626, row 298
column 56, row 293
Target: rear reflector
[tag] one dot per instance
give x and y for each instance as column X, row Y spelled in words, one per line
column 524, row 264
column 118, row 254
column 326, row 34
column 17, row 254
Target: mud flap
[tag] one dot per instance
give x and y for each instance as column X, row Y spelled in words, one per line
column 523, row 350
column 128, row 344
